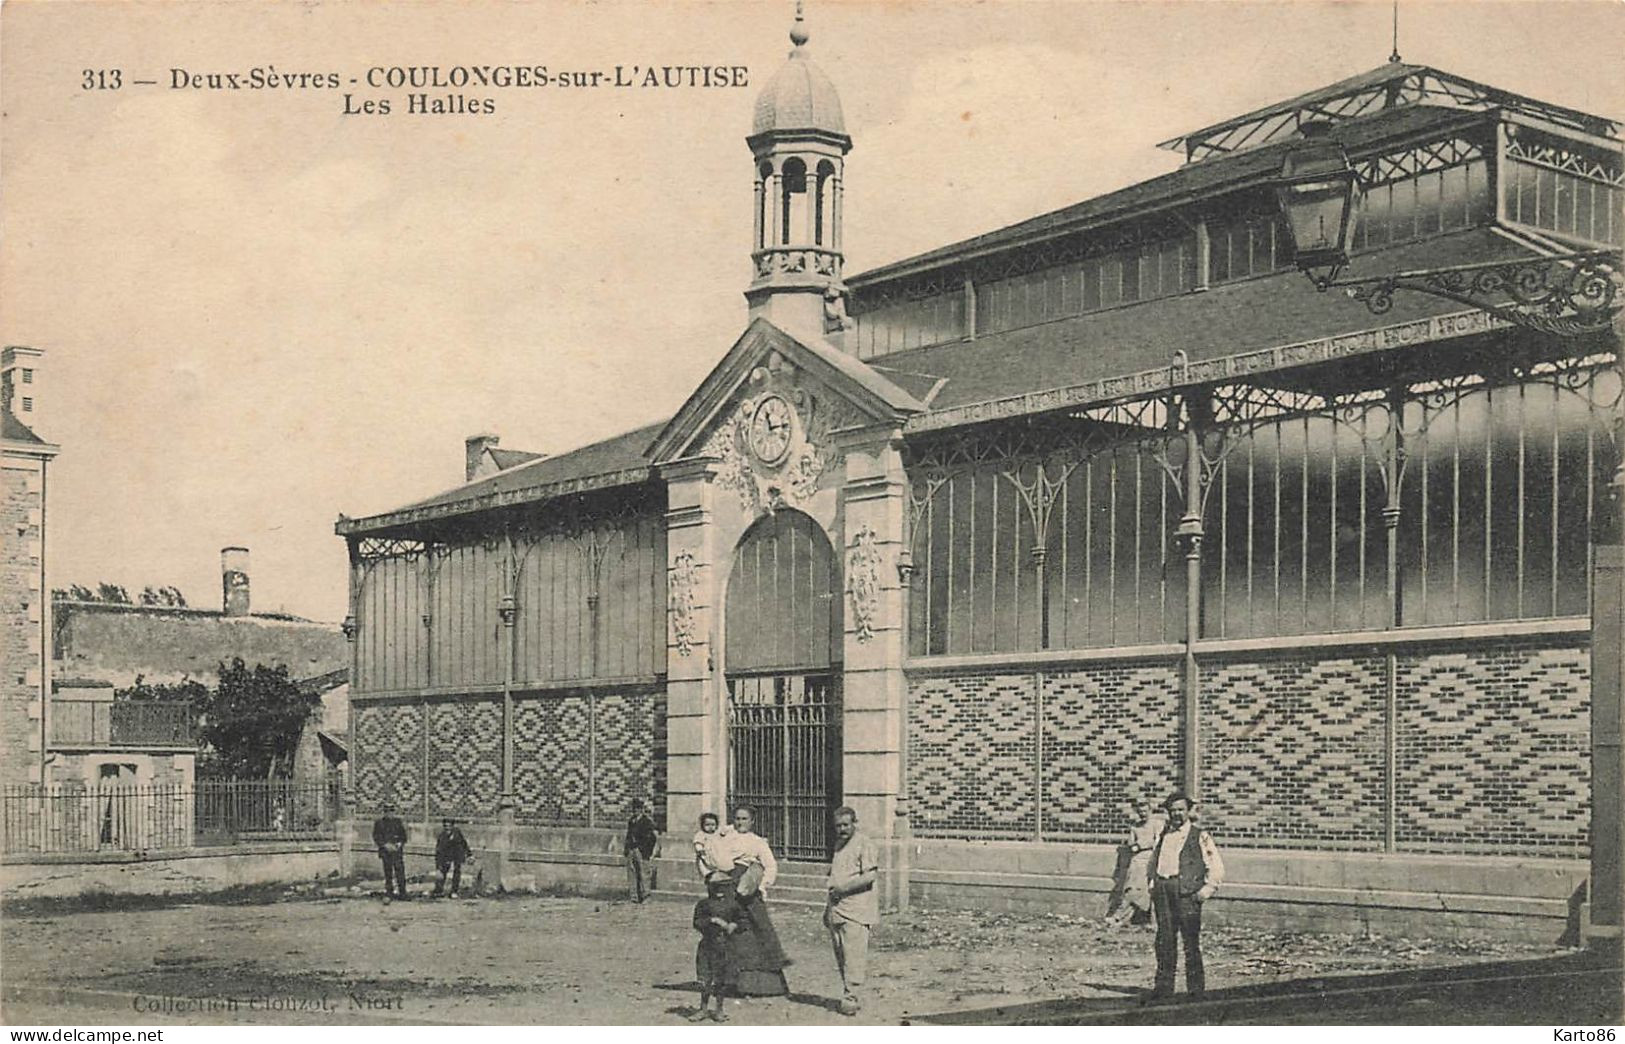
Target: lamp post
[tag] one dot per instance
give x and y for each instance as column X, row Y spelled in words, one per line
column 1569, row 294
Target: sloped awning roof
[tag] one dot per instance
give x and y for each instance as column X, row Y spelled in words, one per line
column 615, row 461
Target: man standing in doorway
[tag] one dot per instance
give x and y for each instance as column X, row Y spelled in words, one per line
column 854, row 904
column 641, row 847
column 389, row 834
column 1185, row 872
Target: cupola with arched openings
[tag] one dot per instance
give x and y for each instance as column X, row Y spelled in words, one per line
column 798, row 144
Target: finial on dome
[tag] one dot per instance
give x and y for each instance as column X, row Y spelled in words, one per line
column 798, row 32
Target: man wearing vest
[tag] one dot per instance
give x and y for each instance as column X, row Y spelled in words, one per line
column 1185, row 872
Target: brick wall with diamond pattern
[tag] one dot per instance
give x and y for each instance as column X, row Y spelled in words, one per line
column 578, row 759
column 1494, row 750
column 971, row 750
column 1109, row 732
column 388, row 757
column 1293, row 751
column 1491, row 749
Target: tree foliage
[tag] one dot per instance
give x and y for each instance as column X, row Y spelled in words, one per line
column 249, row 722
column 113, row 594
column 252, row 720
column 165, row 596
column 193, row 692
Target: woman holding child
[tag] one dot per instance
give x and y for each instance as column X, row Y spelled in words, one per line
column 757, row 959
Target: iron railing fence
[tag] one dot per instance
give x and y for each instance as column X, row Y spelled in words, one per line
column 66, row 818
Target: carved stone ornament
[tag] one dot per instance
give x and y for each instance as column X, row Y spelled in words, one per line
column 773, row 447
column 685, row 621
column 863, row 565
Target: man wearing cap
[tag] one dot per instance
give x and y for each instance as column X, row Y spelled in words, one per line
column 389, row 834
column 1185, row 872
column 640, row 848
column 854, row 904
column 450, row 851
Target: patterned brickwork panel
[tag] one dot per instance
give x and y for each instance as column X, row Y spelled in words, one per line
column 388, row 757
column 1109, row 732
column 1293, row 752
column 550, row 752
column 623, row 734
column 465, row 757
column 972, row 755
column 1494, row 751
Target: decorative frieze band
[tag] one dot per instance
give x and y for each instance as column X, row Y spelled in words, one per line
column 1209, row 371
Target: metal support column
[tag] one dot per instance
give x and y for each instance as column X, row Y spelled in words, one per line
column 1190, row 534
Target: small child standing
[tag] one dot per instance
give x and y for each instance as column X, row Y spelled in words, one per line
column 716, row 917
column 710, row 854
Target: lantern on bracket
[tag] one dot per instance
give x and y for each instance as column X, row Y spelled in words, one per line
column 1316, row 191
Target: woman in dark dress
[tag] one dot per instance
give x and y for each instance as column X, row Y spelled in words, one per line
column 758, row 958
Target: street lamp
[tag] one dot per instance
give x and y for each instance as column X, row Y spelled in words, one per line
column 1317, row 194
column 1567, row 294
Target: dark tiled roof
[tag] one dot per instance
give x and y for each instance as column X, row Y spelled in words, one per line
column 1165, row 191
column 1228, row 319
column 15, row 430
column 507, row 458
column 616, row 461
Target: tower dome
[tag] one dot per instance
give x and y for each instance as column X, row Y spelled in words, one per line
column 798, row 145
column 799, row 97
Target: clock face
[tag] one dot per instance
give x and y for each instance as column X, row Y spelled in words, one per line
column 770, row 429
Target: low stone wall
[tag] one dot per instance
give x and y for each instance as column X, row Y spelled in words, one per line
column 1531, row 900
column 579, row 860
column 174, row 872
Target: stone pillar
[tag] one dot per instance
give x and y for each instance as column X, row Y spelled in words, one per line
column 809, row 188
column 758, row 232
column 1605, row 907
column 695, row 744
column 835, row 214
column 874, row 507
column 775, row 217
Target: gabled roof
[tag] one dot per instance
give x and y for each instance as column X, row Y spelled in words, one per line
column 859, row 382
column 507, row 458
column 616, row 461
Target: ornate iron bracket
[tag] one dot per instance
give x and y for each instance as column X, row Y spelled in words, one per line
column 1563, row 294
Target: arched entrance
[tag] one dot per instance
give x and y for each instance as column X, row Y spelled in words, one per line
column 784, row 721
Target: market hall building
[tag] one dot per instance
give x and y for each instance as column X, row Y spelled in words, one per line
column 1104, row 503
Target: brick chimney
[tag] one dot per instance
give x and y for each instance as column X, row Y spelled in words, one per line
column 234, row 581
column 474, row 448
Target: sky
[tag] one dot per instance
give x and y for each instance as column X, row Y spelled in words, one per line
column 259, row 312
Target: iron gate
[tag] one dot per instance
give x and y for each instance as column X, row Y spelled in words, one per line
column 784, row 758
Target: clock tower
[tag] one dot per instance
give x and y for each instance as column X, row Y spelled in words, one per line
column 798, row 145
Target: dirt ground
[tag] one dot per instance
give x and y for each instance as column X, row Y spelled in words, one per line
column 302, row 956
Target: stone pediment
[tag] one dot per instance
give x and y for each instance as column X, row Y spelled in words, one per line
column 769, row 410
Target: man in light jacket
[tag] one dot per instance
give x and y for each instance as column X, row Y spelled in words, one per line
column 854, row 904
